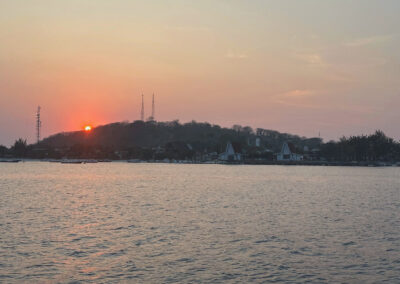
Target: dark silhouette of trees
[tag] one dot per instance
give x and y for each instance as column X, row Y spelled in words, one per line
column 374, row 147
column 3, row 150
column 202, row 136
column 153, row 140
column 20, row 148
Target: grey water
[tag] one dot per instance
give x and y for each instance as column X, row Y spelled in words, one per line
column 167, row 223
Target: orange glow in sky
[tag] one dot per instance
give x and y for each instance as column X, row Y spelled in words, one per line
column 297, row 70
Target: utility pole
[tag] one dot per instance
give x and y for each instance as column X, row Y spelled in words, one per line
column 142, row 110
column 38, row 125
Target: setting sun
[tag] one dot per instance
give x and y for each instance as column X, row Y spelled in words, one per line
column 88, row 128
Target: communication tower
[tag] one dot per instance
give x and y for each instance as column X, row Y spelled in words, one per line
column 153, row 109
column 142, row 110
column 38, row 125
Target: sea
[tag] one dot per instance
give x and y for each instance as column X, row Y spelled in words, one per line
column 194, row 223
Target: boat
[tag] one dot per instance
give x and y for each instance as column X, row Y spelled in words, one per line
column 90, row 161
column 10, row 161
column 72, row 162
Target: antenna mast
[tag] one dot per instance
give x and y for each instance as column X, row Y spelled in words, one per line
column 38, row 125
column 153, row 109
column 142, row 110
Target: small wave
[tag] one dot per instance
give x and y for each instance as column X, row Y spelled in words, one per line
column 185, row 259
column 83, row 238
column 118, row 228
column 262, row 241
column 114, row 254
column 236, row 240
column 77, row 253
column 349, row 243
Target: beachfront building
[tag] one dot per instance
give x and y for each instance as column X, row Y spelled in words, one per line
column 288, row 153
column 230, row 154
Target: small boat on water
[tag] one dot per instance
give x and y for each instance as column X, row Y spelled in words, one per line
column 79, row 161
column 50, row 160
column 10, row 161
column 72, row 161
column 91, row 161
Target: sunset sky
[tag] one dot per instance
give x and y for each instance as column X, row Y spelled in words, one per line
column 301, row 67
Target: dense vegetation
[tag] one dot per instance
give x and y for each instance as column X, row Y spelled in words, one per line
column 201, row 136
column 158, row 140
column 375, row 147
column 198, row 141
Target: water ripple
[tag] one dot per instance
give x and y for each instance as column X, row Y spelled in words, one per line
column 152, row 223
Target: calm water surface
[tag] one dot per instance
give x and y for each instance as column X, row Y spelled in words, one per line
column 161, row 223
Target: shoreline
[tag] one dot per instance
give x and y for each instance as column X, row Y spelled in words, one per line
column 247, row 162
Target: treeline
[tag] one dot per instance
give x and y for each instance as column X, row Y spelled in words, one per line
column 19, row 149
column 159, row 140
column 202, row 136
column 198, row 141
column 375, row 147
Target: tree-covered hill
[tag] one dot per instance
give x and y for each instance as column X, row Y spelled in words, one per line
column 201, row 136
column 195, row 141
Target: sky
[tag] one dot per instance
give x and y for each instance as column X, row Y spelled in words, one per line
column 302, row 67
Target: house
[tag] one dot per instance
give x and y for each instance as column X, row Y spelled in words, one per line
column 288, row 153
column 230, row 154
column 254, row 141
column 258, row 142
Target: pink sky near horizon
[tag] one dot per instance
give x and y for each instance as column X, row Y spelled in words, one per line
column 303, row 68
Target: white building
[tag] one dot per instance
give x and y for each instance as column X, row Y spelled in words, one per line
column 258, row 142
column 230, row 154
column 288, row 153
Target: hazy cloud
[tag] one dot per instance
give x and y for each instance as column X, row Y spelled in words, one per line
column 235, row 55
column 187, row 28
column 364, row 41
column 310, row 58
column 296, row 98
column 298, row 93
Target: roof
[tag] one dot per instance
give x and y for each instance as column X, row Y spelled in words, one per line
column 233, row 148
column 237, row 147
column 288, row 148
column 292, row 148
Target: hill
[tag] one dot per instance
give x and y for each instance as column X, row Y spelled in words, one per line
column 200, row 136
column 196, row 141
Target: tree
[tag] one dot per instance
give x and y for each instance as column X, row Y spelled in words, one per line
column 248, row 130
column 3, row 150
column 237, row 128
column 375, row 147
column 20, row 148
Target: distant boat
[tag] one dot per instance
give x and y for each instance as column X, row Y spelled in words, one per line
column 72, row 162
column 79, row 161
column 50, row 160
column 10, row 161
column 91, row 161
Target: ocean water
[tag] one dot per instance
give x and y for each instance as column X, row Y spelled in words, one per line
column 167, row 223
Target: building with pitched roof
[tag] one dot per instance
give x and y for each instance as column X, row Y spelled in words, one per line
column 230, row 154
column 288, row 153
